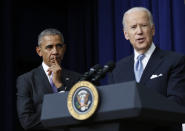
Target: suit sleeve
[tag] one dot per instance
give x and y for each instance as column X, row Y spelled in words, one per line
column 176, row 82
column 28, row 112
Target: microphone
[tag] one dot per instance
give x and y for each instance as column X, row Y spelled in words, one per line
column 88, row 75
column 101, row 72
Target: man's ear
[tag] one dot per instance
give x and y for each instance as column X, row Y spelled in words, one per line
column 126, row 35
column 38, row 50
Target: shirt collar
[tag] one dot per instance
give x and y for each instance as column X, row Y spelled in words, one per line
column 147, row 54
column 45, row 67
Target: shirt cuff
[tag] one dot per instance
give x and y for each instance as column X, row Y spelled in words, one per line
column 62, row 88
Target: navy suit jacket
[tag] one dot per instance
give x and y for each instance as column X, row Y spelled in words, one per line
column 31, row 87
column 167, row 69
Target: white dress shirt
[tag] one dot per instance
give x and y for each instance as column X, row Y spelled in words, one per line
column 45, row 67
column 147, row 55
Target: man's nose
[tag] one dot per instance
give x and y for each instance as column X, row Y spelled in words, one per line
column 54, row 50
column 139, row 30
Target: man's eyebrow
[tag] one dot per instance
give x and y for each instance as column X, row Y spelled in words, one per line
column 60, row 44
column 49, row 45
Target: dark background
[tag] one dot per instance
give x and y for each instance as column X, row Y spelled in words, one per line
column 92, row 30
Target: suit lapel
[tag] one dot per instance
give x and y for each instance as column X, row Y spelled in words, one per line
column 64, row 76
column 130, row 68
column 66, row 79
column 44, row 80
column 152, row 65
column 126, row 73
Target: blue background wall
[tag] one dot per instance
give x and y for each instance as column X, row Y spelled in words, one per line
column 169, row 19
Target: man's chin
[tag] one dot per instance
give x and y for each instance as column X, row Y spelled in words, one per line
column 143, row 48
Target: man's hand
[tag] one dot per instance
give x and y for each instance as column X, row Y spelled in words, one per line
column 56, row 70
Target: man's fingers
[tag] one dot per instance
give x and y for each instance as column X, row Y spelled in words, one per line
column 49, row 71
column 55, row 59
column 53, row 68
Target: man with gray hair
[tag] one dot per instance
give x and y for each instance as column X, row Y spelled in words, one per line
column 161, row 71
column 49, row 77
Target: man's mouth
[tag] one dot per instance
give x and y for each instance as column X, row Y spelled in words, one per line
column 53, row 59
column 140, row 40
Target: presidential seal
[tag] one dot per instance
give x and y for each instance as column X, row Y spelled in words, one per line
column 82, row 100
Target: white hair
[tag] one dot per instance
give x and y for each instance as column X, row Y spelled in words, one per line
column 138, row 9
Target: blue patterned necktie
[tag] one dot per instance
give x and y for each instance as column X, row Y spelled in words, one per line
column 52, row 84
column 138, row 67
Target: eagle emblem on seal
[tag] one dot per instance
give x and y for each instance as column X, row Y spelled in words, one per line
column 83, row 101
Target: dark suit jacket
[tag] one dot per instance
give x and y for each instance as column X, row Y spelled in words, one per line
column 171, row 82
column 31, row 87
column 171, row 66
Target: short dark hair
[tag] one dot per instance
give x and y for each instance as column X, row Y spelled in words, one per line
column 49, row 31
